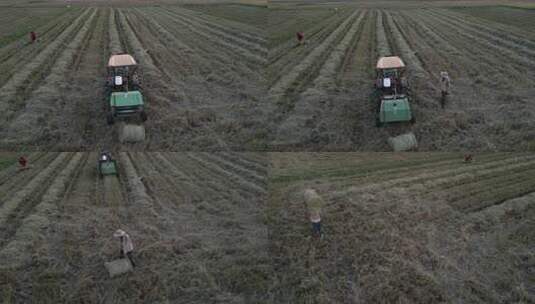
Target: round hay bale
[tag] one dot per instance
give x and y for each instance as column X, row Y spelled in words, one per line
column 404, row 142
column 131, row 133
column 118, row 267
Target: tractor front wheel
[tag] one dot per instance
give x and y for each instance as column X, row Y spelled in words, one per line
column 110, row 119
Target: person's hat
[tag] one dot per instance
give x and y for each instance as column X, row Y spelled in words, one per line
column 444, row 74
column 310, row 194
column 119, row 233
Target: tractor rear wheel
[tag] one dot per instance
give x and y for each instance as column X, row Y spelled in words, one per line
column 110, row 119
column 378, row 122
column 143, row 116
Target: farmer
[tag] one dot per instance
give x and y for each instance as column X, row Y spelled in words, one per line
column 23, row 162
column 468, row 158
column 300, row 38
column 315, row 219
column 33, row 36
column 444, row 84
column 314, row 204
column 127, row 247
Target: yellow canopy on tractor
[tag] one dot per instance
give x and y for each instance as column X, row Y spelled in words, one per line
column 121, row 60
column 393, row 62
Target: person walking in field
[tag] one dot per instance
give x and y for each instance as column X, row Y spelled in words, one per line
column 300, row 38
column 468, row 158
column 314, row 203
column 444, row 86
column 33, row 36
column 23, row 162
column 127, row 247
column 315, row 219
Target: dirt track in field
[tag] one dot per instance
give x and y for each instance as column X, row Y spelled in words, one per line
column 404, row 228
column 196, row 221
column 323, row 98
column 202, row 81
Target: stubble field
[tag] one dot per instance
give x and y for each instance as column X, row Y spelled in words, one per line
column 404, row 228
column 202, row 77
column 322, row 93
column 196, row 220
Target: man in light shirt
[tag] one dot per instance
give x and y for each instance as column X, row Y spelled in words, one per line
column 315, row 219
column 444, row 86
column 127, row 247
column 314, row 204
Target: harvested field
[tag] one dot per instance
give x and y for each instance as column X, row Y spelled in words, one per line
column 18, row 22
column 516, row 16
column 252, row 14
column 404, row 228
column 322, row 93
column 7, row 159
column 202, row 78
column 196, row 220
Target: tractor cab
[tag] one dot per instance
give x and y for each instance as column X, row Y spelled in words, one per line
column 122, row 73
column 105, row 156
column 390, row 76
column 107, row 165
column 392, row 88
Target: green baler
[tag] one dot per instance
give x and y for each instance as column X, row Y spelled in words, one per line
column 394, row 109
column 107, row 167
column 123, row 104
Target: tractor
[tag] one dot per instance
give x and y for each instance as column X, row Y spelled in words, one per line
column 122, row 73
column 123, row 84
column 107, row 165
column 392, row 88
column 126, row 100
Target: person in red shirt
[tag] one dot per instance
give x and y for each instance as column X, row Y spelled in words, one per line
column 23, row 162
column 33, row 36
column 468, row 158
column 300, row 38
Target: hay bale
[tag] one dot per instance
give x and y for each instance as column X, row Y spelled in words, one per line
column 131, row 133
column 118, row 267
column 404, row 142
